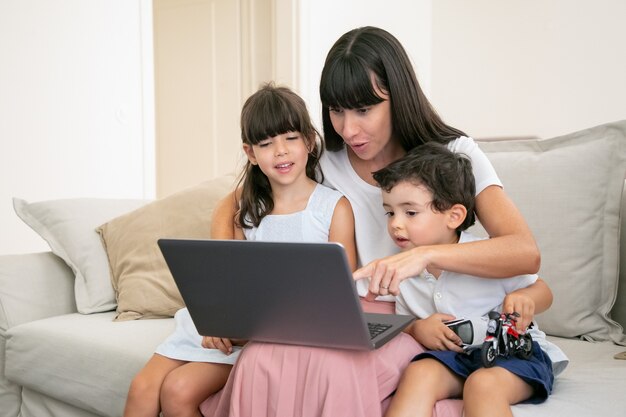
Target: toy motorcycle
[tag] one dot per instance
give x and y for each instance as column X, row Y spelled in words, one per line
column 503, row 339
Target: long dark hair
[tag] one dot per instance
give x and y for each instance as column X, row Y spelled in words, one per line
column 346, row 82
column 269, row 112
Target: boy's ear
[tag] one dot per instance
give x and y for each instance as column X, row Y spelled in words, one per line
column 249, row 153
column 456, row 215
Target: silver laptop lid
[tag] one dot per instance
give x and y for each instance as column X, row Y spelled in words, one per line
column 285, row 292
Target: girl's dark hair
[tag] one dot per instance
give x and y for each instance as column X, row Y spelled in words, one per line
column 446, row 174
column 269, row 112
column 346, row 82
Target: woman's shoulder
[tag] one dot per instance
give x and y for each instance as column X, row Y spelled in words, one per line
column 462, row 144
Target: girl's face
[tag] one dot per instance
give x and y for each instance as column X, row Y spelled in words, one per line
column 366, row 131
column 412, row 222
column 282, row 158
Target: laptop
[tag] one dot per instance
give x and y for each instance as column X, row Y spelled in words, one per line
column 279, row 292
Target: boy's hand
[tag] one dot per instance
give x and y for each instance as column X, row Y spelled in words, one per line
column 434, row 335
column 521, row 303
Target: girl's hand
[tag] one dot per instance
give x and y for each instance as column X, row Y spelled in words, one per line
column 434, row 335
column 223, row 344
column 523, row 304
column 386, row 274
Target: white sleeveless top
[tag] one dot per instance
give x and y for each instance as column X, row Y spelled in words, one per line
column 309, row 225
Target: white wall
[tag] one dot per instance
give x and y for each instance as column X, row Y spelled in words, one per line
column 491, row 67
column 322, row 22
column 76, row 87
column 542, row 68
column 76, row 105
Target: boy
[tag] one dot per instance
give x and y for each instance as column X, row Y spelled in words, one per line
column 429, row 199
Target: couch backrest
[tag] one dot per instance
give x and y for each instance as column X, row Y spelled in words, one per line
column 570, row 191
column 619, row 309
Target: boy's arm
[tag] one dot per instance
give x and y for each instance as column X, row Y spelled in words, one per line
column 534, row 299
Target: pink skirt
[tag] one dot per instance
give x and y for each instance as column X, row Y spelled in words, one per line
column 273, row 380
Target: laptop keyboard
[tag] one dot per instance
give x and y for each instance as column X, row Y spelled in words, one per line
column 377, row 328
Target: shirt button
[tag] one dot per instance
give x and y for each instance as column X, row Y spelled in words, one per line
column 438, row 296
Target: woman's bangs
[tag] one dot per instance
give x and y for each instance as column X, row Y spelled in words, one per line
column 348, row 85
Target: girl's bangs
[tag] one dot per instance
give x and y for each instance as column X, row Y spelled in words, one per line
column 273, row 118
column 348, row 84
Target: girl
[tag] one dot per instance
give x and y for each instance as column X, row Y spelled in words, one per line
column 280, row 200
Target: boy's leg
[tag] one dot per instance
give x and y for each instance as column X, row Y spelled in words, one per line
column 423, row 383
column 492, row 391
column 187, row 386
column 143, row 394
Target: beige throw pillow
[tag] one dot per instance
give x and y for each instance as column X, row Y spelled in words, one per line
column 143, row 284
column 569, row 190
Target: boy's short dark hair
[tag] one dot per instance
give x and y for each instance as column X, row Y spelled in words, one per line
column 446, row 174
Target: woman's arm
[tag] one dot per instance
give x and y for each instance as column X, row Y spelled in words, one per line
column 342, row 230
column 510, row 251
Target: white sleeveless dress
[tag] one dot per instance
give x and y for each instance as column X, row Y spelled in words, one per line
column 309, row 225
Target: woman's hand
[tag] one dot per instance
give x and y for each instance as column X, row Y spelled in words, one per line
column 433, row 334
column 386, row 274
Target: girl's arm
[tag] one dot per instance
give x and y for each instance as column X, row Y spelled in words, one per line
column 223, row 227
column 223, row 218
column 342, row 230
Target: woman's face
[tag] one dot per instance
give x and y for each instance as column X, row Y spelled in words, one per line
column 366, row 131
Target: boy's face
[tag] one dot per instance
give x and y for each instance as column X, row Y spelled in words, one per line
column 412, row 222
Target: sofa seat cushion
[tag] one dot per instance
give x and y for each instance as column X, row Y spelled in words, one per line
column 591, row 385
column 85, row 360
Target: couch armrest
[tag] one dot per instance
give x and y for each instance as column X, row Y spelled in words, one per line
column 34, row 286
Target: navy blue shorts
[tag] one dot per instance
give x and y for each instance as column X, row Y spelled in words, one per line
column 535, row 371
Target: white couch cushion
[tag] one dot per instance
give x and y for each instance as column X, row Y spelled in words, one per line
column 84, row 360
column 592, row 384
column 569, row 190
column 69, row 227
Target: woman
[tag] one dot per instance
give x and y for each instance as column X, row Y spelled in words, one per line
column 374, row 112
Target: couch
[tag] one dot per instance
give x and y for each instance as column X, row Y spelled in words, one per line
column 77, row 322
